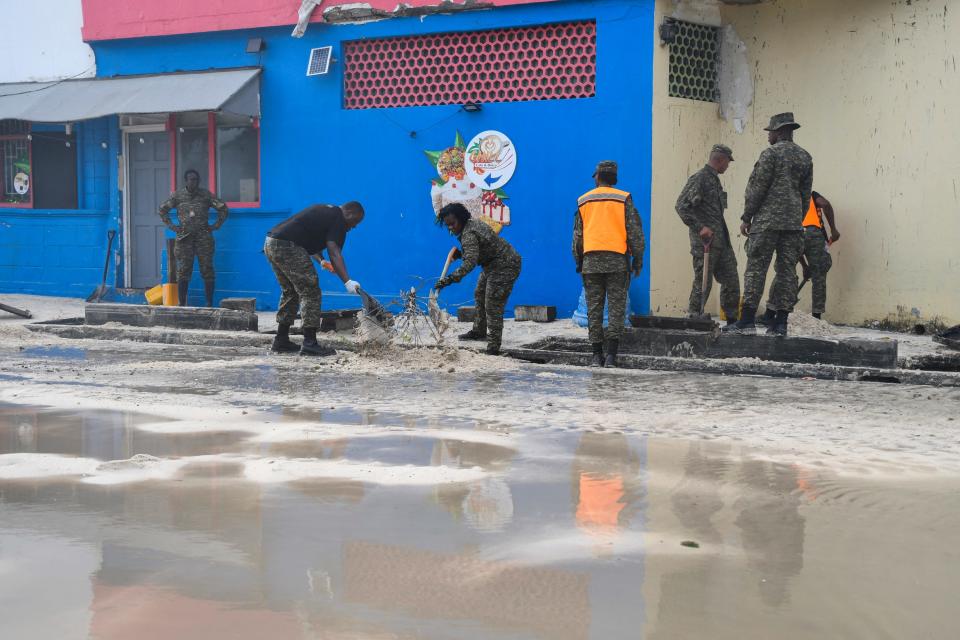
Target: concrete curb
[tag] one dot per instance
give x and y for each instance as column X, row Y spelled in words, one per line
column 740, row 367
column 541, row 356
column 201, row 338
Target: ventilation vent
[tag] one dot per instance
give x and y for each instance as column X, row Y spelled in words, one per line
column 319, row 63
column 546, row 62
column 694, row 57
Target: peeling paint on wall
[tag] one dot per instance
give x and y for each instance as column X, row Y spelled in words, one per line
column 699, row 11
column 363, row 12
column 735, row 79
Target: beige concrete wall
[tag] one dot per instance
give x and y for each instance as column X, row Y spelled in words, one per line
column 873, row 84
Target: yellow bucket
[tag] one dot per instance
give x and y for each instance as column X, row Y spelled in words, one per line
column 154, row 295
column 171, row 298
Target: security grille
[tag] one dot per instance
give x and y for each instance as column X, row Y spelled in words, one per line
column 319, row 63
column 505, row 65
column 694, row 60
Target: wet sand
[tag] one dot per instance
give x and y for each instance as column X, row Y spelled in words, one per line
column 393, row 524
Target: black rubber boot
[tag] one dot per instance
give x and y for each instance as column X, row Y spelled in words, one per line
column 183, row 286
column 597, row 359
column 779, row 326
column 492, row 349
column 473, row 334
column 208, row 289
column 310, row 345
column 818, row 316
column 767, row 318
column 746, row 325
column 613, row 346
column 282, row 342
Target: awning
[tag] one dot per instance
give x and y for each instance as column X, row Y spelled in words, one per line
column 235, row 90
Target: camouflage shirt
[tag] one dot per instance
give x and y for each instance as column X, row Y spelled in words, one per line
column 702, row 201
column 480, row 245
column 610, row 261
column 778, row 193
column 193, row 211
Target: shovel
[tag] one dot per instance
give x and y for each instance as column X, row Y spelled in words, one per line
column 101, row 290
column 706, row 275
column 436, row 315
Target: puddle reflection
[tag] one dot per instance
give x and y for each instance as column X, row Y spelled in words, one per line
column 567, row 535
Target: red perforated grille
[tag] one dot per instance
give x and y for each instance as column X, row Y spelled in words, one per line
column 506, row 65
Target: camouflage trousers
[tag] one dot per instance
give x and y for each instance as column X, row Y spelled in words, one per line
column 723, row 266
column 761, row 245
column 299, row 284
column 815, row 250
column 197, row 245
column 612, row 288
column 493, row 288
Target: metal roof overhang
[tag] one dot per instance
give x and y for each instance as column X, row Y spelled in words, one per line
column 232, row 90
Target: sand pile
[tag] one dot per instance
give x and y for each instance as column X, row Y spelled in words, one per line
column 804, row 324
column 444, row 359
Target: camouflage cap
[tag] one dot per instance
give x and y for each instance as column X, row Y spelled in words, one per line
column 724, row 149
column 608, row 166
column 782, row 120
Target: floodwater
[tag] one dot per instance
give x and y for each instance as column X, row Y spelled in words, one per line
column 560, row 534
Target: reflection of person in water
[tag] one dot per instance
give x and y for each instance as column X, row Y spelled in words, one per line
column 485, row 505
column 606, row 483
column 772, row 527
column 697, row 498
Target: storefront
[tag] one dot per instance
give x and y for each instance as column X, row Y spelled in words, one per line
column 507, row 110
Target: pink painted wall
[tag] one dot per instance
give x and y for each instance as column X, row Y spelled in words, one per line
column 110, row 19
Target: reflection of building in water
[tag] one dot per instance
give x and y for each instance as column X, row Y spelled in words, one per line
column 551, row 603
column 607, row 487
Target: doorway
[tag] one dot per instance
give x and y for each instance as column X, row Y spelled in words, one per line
column 148, row 185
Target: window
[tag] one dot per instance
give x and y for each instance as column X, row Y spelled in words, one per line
column 694, row 57
column 193, row 150
column 38, row 166
column 224, row 149
column 16, row 189
column 54, row 170
column 504, row 65
column 238, row 159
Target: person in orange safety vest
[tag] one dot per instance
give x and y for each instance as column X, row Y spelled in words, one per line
column 607, row 233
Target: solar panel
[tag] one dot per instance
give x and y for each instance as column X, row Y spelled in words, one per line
column 319, row 63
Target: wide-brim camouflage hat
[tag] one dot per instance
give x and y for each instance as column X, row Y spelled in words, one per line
column 782, row 120
column 607, row 166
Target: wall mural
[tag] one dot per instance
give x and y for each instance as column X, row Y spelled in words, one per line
column 474, row 175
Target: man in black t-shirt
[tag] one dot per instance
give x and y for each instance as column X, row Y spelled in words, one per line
column 289, row 247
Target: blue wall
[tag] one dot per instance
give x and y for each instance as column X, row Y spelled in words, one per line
column 61, row 252
column 313, row 150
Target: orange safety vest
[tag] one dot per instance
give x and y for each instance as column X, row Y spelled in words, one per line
column 812, row 219
column 604, row 220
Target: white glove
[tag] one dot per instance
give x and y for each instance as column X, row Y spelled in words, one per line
column 351, row 286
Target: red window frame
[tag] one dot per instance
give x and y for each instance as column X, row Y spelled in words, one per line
column 211, row 158
column 26, row 138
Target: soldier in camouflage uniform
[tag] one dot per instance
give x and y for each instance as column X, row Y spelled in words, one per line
column 480, row 245
column 700, row 206
column 777, row 197
column 289, row 247
column 606, row 232
column 194, row 232
column 816, row 243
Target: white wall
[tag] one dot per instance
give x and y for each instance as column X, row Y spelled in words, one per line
column 41, row 41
